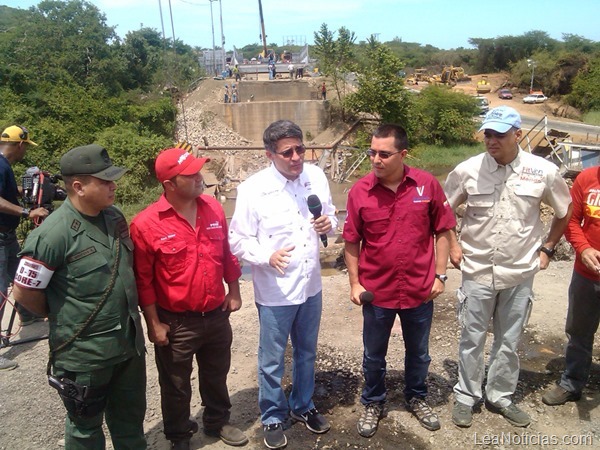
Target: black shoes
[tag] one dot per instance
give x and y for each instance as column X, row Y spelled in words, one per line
column 313, row 420
column 273, row 436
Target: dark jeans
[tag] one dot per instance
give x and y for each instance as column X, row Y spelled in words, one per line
column 582, row 323
column 208, row 339
column 9, row 248
column 377, row 327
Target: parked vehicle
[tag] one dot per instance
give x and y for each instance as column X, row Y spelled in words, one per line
column 505, row 94
column 535, row 98
column 483, row 103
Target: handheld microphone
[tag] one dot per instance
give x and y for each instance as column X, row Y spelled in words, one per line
column 315, row 207
column 366, row 297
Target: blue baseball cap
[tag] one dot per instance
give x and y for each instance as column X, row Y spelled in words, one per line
column 501, row 119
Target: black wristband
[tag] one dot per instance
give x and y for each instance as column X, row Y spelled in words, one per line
column 25, row 213
column 443, row 278
column 548, row 251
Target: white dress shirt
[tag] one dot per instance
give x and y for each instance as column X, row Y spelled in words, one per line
column 271, row 213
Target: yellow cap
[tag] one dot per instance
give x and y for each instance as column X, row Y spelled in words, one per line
column 16, row 133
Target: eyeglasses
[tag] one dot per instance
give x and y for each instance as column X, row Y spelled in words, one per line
column 488, row 134
column 289, row 152
column 382, row 155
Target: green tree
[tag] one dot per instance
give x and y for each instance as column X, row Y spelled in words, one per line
column 586, row 87
column 336, row 58
column 380, row 90
column 442, row 116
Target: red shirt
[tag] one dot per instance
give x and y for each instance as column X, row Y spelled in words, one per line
column 180, row 268
column 396, row 231
column 583, row 230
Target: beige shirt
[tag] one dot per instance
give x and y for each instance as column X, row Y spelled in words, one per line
column 501, row 229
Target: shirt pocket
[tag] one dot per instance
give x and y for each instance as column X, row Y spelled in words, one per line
column 86, row 272
column 528, row 197
column 215, row 238
column 376, row 221
column 277, row 223
column 480, row 200
column 172, row 255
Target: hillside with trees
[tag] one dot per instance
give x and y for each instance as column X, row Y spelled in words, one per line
column 68, row 77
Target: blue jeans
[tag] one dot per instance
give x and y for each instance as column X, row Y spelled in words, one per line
column 277, row 323
column 582, row 323
column 377, row 327
column 9, row 248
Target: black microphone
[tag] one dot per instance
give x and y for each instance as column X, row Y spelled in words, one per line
column 315, row 207
column 366, row 297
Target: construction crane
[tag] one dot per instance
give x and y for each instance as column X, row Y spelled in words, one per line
column 262, row 28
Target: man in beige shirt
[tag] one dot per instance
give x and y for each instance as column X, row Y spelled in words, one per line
column 501, row 249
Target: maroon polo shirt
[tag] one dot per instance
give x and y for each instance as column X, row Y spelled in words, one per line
column 396, row 232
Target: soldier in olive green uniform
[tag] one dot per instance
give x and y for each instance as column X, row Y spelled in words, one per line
column 78, row 265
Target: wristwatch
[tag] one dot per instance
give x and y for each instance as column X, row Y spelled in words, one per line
column 443, row 278
column 548, row 251
column 25, row 212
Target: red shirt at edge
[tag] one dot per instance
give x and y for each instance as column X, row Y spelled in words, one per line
column 179, row 268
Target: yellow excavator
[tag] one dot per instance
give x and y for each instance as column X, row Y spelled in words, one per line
column 452, row 75
column 419, row 75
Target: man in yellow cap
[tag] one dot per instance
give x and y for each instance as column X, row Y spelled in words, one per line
column 14, row 142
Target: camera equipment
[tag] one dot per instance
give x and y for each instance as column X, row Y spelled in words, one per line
column 41, row 189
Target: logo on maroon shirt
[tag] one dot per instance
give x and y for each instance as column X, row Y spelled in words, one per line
column 420, row 198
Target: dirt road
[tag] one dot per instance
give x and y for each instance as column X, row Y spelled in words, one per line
column 32, row 416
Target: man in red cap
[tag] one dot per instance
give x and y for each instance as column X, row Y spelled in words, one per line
column 181, row 258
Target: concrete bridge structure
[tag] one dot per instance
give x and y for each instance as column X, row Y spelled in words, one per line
column 263, row 102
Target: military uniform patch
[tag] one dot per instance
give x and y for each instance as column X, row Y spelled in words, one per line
column 75, row 225
column 82, row 254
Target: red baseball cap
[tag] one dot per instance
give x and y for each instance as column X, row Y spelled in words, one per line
column 176, row 161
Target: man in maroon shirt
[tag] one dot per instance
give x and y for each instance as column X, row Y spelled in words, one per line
column 397, row 242
column 181, row 258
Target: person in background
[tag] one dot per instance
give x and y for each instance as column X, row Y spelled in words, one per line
column 226, row 95
column 501, row 250
column 323, row 91
column 76, row 268
column 274, row 231
column 182, row 258
column 583, row 317
column 14, row 142
column 396, row 248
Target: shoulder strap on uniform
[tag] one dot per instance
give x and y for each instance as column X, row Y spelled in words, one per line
column 111, row 284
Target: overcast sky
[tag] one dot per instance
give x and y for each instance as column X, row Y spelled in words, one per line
column 441, row 23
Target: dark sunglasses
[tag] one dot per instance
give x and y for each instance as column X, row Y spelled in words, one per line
column 382, row 155
column 289, row 152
